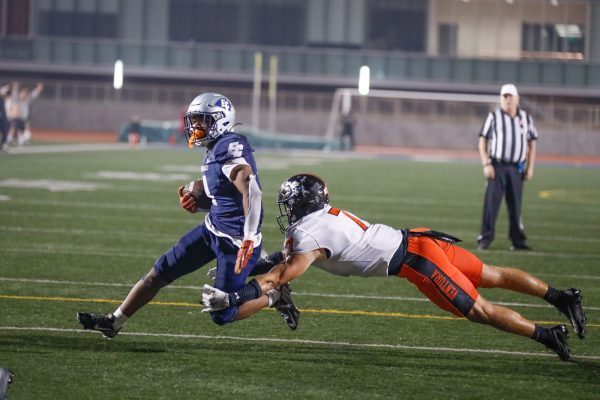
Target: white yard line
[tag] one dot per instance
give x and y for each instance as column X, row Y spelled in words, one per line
column 299, row 341
column 309, row 294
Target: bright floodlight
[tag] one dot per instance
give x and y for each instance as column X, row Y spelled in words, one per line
column 118, row 77
column 364, row 80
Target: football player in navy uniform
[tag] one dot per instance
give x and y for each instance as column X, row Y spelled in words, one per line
column 231, row 229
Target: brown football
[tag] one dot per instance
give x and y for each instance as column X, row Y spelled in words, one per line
column 196, row 188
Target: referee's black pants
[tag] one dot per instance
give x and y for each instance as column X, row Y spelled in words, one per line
column 509, row 184
column 3, row 130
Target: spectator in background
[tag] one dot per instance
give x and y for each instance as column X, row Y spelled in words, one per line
column 134, row 130
column 3, row 117
column 18, row 108
column 507, row 146
column 347, row 138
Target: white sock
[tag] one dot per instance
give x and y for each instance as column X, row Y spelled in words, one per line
column 274, row 295
column 120, row 318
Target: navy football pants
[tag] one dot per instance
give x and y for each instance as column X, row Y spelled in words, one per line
column 199, row 247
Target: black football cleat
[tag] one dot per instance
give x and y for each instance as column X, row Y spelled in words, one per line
column 569, row 304
column 286, row 308
column 559, row 344
column 6, row 378
column 100, row 323
column 520, row 247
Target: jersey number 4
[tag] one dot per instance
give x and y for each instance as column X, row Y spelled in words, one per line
column 336, row 212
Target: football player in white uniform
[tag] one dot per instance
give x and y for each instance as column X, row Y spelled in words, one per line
column 343, row 244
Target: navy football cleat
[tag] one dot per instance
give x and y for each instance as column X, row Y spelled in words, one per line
column 559, row 344
column 569, row 304
column 100, row 323
column 286, row 308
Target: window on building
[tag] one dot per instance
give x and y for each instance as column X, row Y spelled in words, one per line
column 79, row 23
column 277, row 23
column 208, row 21
column 447, row 39
column 553, row 41
column 397, row 24
column 265, row 22
column 16, row 21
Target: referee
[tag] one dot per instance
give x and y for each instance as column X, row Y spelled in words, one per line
column 507, row 145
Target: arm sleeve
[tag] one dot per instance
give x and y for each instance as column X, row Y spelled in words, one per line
column 230, row 164
column 532, row 133
column 254, row 209
column 487, row 127
column 303, row 242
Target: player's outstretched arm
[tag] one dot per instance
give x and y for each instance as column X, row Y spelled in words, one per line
column 295, row 266
column 282, row 273
column 215, row 299
column 245, row 182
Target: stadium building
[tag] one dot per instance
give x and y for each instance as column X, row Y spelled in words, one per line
column 173, row 49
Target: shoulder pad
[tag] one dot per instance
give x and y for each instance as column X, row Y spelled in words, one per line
column 231, row 146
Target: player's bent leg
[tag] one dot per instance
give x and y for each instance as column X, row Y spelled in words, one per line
column 143, row 292
column 512, row 279
column 466, row 262
column 251, row 307
column 426, row 265
column 499, row 317
column 508, row 320
column 568, row 302
column 280, row 299
column 225, row 316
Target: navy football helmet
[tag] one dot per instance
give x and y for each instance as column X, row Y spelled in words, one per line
column 208, row 116
column 300, row 195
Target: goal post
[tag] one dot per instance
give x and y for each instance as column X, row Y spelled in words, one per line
column 343, row 99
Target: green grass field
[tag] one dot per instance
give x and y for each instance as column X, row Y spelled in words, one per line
column 67, row 250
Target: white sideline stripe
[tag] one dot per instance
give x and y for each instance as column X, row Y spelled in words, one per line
column 312, row 294
column 68, row 148
column 299, row 341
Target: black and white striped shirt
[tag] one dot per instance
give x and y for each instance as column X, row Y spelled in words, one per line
column 508, row 137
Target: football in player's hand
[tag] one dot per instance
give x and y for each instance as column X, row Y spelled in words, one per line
column 196, row 189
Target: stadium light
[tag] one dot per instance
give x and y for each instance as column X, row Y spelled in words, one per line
column 364, row 83
column 118, row 75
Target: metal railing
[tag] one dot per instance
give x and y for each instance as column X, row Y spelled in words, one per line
column 308, row 65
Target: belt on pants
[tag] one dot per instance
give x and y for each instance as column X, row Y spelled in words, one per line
column 400, row 254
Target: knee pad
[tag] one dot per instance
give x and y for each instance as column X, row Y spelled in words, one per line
column 225, row 316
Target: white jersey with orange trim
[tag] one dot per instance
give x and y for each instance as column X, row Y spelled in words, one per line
column 354, row 247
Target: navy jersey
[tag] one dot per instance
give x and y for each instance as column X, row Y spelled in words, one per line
column 227, row 210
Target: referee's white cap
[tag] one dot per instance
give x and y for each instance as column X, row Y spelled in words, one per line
column 509, row 88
